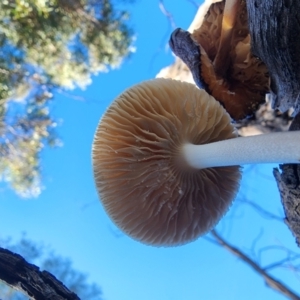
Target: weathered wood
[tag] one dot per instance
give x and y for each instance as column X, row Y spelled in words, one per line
column 274, row 29
column 288, row 183
column 289, row 189
column 182, row 45
column 16, row 272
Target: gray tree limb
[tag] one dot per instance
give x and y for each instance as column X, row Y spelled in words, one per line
column 25, row 277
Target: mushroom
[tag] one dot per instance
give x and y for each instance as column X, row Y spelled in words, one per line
column 166, row 161
column 219, row 56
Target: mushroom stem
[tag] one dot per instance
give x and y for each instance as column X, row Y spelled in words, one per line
column 279, row 147
column 221, row 61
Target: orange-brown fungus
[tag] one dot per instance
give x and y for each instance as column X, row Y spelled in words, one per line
column 146, row 188
column 245, row 81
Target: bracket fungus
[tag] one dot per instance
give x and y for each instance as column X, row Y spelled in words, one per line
column 219, row 56
column 166, row 161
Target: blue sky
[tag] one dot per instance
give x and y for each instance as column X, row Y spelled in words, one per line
column 69, row 217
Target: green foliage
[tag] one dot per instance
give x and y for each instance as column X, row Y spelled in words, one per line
column 59, row 266
column 45, row 46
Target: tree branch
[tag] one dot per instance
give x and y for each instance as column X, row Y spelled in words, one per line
column 23, row 276
column 263, row 212
column 167, row 13
column 270, row 280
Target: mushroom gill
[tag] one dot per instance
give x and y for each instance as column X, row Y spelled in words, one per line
column 234, row 76
column 146, row 187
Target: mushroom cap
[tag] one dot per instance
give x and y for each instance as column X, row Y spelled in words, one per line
column 144, row 184
column 247, row 78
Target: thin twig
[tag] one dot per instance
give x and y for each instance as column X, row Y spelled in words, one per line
column 280, row 263
column 270, row 280
column 194, row 3
column 263, row 212
column 166, row 13
column 255, row 241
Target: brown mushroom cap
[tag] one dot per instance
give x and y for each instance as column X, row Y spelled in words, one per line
column 145, row 185
column 246, row 82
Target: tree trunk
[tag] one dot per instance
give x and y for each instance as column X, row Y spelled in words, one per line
column 275, row 29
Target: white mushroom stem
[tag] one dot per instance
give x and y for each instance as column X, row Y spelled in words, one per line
column 280, row 147
column 221, row 60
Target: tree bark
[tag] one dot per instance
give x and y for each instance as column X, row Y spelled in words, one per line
column 288, row 183
column 274, row 29
column 16, row 272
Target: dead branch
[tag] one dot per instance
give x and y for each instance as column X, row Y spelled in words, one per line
column 167, row 13
column 16, row 272
column 263, row 212
column 270, row 280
